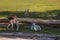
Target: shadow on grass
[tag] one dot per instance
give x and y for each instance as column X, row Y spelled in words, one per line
column 27, row 30
column 50, row 14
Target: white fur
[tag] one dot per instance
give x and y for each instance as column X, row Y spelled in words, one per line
column 35, row 27
column 14, row 21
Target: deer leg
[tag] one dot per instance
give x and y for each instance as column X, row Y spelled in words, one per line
column 12, row 25
column 8, row 25
column 17, row 27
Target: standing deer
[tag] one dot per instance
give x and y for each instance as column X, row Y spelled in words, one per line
column 13, row 21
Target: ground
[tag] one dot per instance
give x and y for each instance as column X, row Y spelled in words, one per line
column 4, row 38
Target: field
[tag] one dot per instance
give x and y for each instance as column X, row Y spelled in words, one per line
column 49, row 15
column 43, row 31
column 32, row 5
column 43, row 9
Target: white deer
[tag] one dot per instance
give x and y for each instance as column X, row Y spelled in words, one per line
column 35, row 27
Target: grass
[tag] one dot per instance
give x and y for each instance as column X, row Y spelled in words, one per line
column 41, row 15
column 44, row 30
column 26, row 28
column 33, row 5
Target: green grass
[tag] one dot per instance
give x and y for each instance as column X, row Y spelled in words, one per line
column 44, row 30
column 42, row 15
column 33, row 5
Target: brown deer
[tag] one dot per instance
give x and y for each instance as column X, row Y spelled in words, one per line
column 13, row 21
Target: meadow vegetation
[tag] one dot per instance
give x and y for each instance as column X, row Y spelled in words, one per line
column 42, row 9
column 52, row 14
column 33, row 5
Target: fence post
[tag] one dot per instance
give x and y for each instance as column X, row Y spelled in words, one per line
column 26, row 12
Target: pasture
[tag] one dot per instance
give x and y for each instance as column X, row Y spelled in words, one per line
column 42, row 9
column 49, row 15
column 27, row 30
column 33, row 5
column 24, row 28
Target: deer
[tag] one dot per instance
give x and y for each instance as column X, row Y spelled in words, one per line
column 13, row 21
